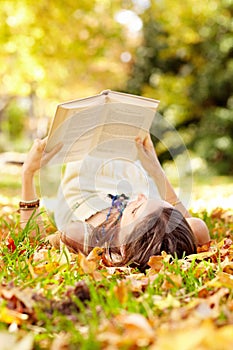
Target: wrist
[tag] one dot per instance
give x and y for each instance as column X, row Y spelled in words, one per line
column 27, row 172
column 158, row 174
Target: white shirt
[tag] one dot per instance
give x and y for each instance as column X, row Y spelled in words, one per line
column 86, row 184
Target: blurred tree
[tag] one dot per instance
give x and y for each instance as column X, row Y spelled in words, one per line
column 186, row 61
column 56, row 47
column 53, row 51
column 212, row 90
column 13, row 124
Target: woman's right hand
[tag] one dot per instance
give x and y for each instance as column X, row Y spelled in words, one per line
column 37, row 157
column 148, row 156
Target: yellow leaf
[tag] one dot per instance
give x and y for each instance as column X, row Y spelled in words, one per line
column 202, row 255
column 164, row 303
column 121, row 292
column 185, row 339
column 95, row 254
column 10, row 316
column 222, row 280
column 86, row 266
column 45, row 268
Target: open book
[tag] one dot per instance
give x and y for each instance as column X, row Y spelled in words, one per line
column 103, row 125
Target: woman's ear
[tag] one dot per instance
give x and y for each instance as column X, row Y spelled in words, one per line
column 200, row 230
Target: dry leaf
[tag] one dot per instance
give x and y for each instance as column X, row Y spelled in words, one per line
column 86, row 266
column 185, row 339
column 171, row 280
column 156, row 263
column 121, row 292
column 95, row 254
column 25, row 296
column 136, row 328
column 11, row 316
column 164, row 303
column 222, row 280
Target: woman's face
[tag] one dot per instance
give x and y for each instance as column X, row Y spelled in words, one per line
column 138, row 209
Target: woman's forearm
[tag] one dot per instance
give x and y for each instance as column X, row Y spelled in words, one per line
column 28, row 194
column 150, row 162
column 36, row 158
column 167, row 191
column 28, row 186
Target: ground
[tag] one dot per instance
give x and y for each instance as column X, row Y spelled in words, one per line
column 53, row 299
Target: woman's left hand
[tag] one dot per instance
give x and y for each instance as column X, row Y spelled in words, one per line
column 37, row 157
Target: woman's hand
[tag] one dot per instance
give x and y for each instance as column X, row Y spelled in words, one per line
column 37, row 157
column 148, row 156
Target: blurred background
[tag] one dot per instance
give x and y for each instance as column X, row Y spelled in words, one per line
column 178, row 52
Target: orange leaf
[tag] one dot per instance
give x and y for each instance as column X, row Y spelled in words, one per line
column 95, row 254
column 171, row 281
column 121, row 292
column 156, row 262
column 11, row 244
column 86, row 266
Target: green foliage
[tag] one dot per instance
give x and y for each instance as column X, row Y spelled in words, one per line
column 212, row 92
column 13, row 123
column 54, row 51
column 59, row 54
column 214, row 141
column 186, row 61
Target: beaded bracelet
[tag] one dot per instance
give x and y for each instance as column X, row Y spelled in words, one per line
column 29, row 205
column 30, row 201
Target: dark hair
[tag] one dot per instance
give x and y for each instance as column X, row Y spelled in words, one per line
column 163, row 230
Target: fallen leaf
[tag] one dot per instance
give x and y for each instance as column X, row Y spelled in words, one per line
column 156, row 263
column 185, row 339
column 86, row 267
column 45, row 268
column 136, row 322
column 95, row 254
column 121, row 291
column 164, row 303
column 222, row 280
column 11, row 244
column 171, row 280
column 23, row 295
column 11, row 316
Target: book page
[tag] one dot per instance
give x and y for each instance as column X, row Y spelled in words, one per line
column 77, row 133
column 113, row 96
column 102, row 130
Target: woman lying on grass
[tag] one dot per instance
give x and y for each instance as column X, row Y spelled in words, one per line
column 131, row 230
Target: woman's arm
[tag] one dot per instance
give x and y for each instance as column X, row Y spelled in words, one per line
column 36, row 158
column 151, row 164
